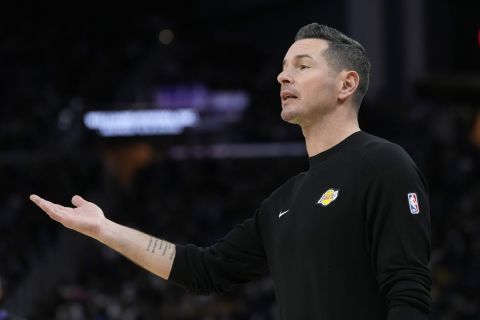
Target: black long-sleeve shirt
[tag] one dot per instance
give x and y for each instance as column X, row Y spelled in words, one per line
column 348, row 239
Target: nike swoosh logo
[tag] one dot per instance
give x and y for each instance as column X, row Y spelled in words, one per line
column 282, row 213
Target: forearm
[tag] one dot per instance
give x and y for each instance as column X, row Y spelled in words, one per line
column 237, row 258
column 153, row 254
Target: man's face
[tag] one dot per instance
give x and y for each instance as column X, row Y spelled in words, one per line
column 308, row 84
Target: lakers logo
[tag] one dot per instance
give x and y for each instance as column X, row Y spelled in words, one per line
column 328, row 197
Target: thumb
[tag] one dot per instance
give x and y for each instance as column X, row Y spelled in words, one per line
column 78, row 201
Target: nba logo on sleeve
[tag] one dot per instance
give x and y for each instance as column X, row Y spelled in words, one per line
column 413, row 203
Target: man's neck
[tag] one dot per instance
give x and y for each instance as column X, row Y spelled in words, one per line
column 324, row 135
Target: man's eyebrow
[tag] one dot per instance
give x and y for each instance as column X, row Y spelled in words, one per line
column 298, row 57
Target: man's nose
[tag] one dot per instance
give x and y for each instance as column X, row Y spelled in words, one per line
column 284, row 77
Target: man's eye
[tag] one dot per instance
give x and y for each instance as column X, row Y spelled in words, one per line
column 302, row 66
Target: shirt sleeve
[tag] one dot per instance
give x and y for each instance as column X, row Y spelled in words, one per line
column 237, row 258
column 398, row 232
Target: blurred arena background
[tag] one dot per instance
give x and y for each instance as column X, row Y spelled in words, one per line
column 170, row 122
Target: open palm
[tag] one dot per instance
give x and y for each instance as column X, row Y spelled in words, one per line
column 86, row 217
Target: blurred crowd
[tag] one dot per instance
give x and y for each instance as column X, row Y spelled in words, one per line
column 55, row 73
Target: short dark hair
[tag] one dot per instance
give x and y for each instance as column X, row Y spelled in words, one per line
column 342, row 53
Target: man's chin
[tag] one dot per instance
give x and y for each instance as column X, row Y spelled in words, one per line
column 289, row 117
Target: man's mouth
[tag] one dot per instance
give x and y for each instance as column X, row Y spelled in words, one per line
column 286, row 95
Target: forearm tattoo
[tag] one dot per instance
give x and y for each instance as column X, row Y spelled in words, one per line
column 156, row 245
column 174, row 251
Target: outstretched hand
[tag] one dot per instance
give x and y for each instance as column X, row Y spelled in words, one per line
column 86, row 217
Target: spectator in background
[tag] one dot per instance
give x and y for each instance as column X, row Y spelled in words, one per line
column 4, row 314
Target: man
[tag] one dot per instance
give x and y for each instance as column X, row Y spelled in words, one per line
column 348, row 239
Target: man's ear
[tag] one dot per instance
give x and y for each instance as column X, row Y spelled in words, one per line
column 349, row 81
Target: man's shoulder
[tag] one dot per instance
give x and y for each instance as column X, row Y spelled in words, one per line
column 381, row 154
column 383, row 160
column 383, row 157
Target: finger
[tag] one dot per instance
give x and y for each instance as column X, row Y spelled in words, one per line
column 35, row 198
column 52, row 209
column 42, row 203
column 78, row 201
column 61, row 209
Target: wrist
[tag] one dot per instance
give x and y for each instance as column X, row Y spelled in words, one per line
column 105, row 231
